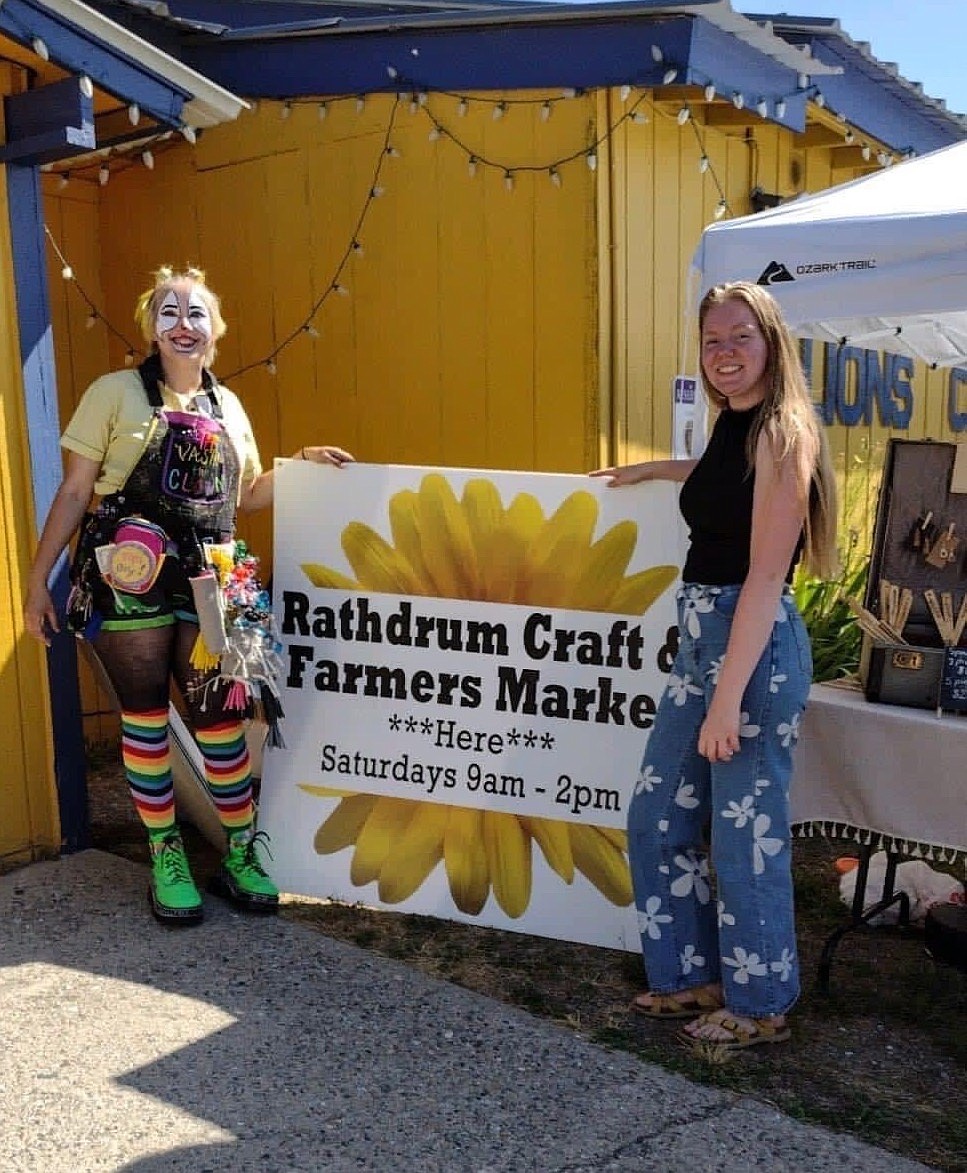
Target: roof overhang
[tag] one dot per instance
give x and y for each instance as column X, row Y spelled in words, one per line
column 81, row 40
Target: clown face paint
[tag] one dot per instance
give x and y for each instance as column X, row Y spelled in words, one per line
column 183, row 325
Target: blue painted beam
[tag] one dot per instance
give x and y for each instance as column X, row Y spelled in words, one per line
column 43, row 435
column 581, row 54
column 77, row 51
column 51, row 122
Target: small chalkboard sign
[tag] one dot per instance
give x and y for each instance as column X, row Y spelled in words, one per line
column 953, row 681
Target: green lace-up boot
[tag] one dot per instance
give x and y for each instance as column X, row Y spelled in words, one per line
column 241, row 877
column 172, row 893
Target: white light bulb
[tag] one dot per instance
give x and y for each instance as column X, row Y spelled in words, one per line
column 67, row 273
column 762, row 107
column 592, row 161
column 148, row 160
column 569, row 92
column 462, row 107
column 625, row 93
column 134, row 114
column 657, row 54
column 738, row 100
column 91, row 321
column 414, row 103
column 820, row 99
column 639, row 118
column 545, row 111
column 393, row 72
column 39, row 46
column 64, row 180
column 129, row 359
column 323, row 111
column 683, row 116
column 360, row 104
column 392, row 153
column 499, row 110
column 720, row 209
column 710, row 93
column 669, row 76
column 866, row 151
column 509, row 180
column 271, row 367
column 781, row 108
column 849, row 138
column 703, row 164
column 802, row 81
column 311, row 330
column 103, row 175
column 472, row 166
column 555, row 176
column 86, row 86
column 434, row 134
column 377, row 191
column 285, row 111
column 357, row 248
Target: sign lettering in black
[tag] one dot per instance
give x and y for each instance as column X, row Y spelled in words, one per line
column 953, row 680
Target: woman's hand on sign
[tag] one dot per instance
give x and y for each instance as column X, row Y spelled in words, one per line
column 327, row 454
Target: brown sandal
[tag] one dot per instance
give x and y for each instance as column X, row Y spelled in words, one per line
column 684, row 1005
column 742, row 1032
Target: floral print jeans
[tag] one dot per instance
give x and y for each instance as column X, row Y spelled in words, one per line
column 745, row 936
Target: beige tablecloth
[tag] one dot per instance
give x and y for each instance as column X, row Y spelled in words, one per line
column 866, row 769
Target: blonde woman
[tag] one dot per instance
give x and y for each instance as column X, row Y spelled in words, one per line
column 720, row 753
column 159, row 462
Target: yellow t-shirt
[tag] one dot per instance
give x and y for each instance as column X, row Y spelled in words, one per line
column 113, row 418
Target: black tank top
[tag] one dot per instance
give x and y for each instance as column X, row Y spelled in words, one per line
column 716, row 502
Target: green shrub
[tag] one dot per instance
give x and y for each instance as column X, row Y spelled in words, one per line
column 833, row 630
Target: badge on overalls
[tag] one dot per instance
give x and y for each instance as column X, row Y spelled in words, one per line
column 133, row 561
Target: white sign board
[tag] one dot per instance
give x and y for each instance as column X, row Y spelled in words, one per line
column 472, row 665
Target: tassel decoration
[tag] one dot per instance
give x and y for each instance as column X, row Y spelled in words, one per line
column 202, row 658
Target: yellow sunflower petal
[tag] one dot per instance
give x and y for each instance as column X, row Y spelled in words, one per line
column 558, row 551
column 508, row 849
column 415, row 854
column 553, row 838
column 637, row 592
column 616, row 836
column 448, row 549
column 466, row 860
column 404, row 523
column 484, row 512
column 376, row 564
column 602, row 570
column 382, row 830
column 510, row 548
column 325, row 576
column 344, row 824
column 603, row 864
column 325, row 791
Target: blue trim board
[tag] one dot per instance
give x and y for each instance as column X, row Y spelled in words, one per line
column 79, row 52
column 43, row 432
column 581, row 54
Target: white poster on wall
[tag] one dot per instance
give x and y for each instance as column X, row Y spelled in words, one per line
column 688, row 418
column 472, row 663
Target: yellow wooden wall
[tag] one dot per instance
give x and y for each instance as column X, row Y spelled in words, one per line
column 29, row 826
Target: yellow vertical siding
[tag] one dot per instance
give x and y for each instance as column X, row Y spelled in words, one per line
column 29, row 825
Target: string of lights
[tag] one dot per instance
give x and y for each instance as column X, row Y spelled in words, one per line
column 419, row 102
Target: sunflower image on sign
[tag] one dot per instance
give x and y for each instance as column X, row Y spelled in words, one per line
column 475, row 548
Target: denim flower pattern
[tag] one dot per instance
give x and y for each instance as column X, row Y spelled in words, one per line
column 680, row 688
column 788, row 731
column 746, row 965
column 743, row 812
column 690, row 959
column 694, row 604
column 647, row 780
column 694, row 878
column 746, row 728
column 685, row 796
column 763, row 844
column 783, row 967
column 725, row 919
column 775, row 680
column 650, row 919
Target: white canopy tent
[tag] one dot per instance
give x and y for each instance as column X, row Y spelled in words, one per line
column 879, row 263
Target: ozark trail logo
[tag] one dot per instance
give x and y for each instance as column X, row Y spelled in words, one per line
column 773, row 273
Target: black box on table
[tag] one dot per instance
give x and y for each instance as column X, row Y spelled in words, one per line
column 919, row 544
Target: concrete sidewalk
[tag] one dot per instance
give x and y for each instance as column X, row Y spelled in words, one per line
column 258, row 1044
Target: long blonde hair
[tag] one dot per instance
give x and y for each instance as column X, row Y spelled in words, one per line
column 788, row 415
column 146, row 307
